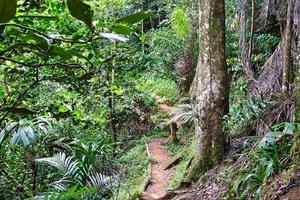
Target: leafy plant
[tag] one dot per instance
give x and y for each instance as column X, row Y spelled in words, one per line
column 267, row 157
column 180, row 23
column 182, row 114
column 77, row 171
column 26, row 131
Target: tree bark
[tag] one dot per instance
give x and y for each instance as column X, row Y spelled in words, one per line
column 251, row 29
column 243, row 41
column 286, row 73
column 184, row 65
column 209, row 92
column 296, row 144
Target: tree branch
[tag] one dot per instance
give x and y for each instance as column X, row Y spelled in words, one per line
column 43, row 34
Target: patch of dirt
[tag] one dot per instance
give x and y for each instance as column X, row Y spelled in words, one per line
column 293, row 194
column 159, row 176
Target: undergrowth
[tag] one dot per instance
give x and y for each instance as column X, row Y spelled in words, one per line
column 158, row 86
column 135, row 161
column 267, row 157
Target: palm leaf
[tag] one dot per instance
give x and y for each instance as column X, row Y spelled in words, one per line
column 63, row 163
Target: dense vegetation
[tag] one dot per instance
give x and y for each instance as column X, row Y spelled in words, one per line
column 87, row 85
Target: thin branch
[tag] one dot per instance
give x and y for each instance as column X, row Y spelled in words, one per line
column 43, row 34
column 21, row 95
column 37, row 16
column 15, row 61
column 32, row 65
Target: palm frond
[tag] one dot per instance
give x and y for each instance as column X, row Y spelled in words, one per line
column 60, row 185
column 182, row 114
column 63, row 163
column 98, row 180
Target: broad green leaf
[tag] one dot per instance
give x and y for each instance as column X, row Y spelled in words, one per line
column 7, row 10
column 66, row 54
column 121, row 29
column 59, row 51
column 39, row 41
column 134, row 18
column 81, row 11
column 62, row 109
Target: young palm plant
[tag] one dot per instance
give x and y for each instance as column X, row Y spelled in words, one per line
column 182, row 114
column 78, row 171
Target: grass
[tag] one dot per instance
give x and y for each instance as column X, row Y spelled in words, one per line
column 135, row 162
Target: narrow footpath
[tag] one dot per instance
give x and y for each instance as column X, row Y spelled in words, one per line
column 160, row 176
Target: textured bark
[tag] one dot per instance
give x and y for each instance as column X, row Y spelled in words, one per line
column 243, row 41
column 270, row 81
column 209, row 92
column 185, row 62
column 286, row 72
column 251, row 29
column 296, row 145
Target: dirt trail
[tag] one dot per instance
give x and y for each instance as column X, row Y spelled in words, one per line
column 159, row 177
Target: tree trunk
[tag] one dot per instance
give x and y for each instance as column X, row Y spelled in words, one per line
column 251, row 30
column 243, row 41
column 209, row 92
column 173, row 130
column 296, row 144
column 184, row 65
column 286, row 73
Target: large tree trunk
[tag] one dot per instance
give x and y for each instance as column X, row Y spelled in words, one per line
column 296, row 145
column 209, row 92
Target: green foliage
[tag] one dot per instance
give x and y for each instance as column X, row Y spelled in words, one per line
column 165, row 48
column 267, row 157
column 187, row 144
column 134, row 18
column 265, row 44
column 180, row 23
column 81, row 11
column 182, row 114
column 243, row 112
column 135, row 164
column 81, row 171
column 76, row 193
column 156, row 86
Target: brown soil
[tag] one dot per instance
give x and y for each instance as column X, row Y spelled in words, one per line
column 293, row 194
column 159, row 177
